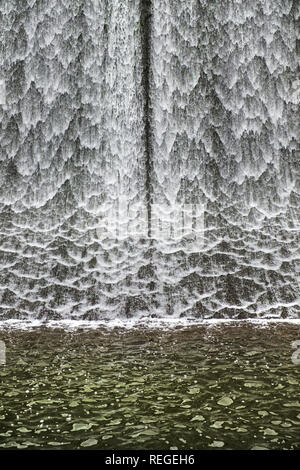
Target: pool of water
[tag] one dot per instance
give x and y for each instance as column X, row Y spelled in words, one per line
column 229, row 386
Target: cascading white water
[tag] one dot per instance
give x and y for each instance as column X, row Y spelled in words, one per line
column 220, row 101
column 72, row 152
column 225, row 96
column 225, row 99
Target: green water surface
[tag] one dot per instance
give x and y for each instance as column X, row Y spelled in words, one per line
column 225, row 387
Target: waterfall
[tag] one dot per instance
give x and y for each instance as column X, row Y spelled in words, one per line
column 226, row 134
column 150, row 160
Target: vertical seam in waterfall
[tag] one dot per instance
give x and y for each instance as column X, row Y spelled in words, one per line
column 146, row 23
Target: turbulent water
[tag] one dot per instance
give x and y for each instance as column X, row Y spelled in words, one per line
column 150, row 158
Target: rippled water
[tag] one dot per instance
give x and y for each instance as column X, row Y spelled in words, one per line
column 228, row 387
column 113, row 110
